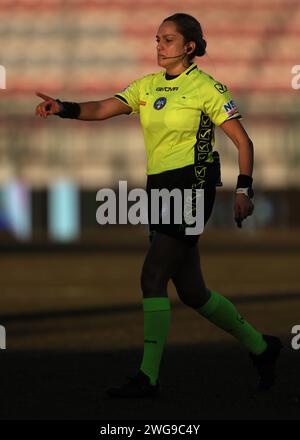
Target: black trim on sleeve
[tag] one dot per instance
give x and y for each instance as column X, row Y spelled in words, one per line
column 122, row 99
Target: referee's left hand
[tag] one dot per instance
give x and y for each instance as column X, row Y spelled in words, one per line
column 243, row 207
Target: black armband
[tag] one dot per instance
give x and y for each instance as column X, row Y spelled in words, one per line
column 244, row 185
column 70, row 110
column 244, row 181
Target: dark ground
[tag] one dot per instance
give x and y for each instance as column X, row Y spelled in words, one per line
column 74, row 326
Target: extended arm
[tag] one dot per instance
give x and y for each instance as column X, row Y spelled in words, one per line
column 89, row 111
column 100, row 110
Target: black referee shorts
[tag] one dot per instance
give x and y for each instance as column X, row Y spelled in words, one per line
column 189, row 177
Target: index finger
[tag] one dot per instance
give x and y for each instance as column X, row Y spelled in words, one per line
column 238, row 221
column 45, row 97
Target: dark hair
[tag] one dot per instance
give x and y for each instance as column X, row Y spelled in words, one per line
column 191, row 30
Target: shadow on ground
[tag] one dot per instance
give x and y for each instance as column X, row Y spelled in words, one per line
column 198, row 382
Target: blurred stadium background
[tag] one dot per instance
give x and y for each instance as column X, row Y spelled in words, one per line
column 70, row 296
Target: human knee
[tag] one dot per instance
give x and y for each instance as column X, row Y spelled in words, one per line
column 146, row 283
column 194, row 298
column 151, row 284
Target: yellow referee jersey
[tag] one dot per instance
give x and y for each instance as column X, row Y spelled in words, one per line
column 178, row 116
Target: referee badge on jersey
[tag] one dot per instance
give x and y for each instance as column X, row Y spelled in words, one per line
column 160, row 103
column 220, row 87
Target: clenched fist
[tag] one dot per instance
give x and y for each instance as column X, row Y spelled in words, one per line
column 243, row 207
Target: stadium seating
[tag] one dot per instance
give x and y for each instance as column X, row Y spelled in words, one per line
column 89, row 49
column 98, row 36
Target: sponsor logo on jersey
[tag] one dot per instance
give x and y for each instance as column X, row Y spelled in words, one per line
column 167, row 89
column 230, row 108
column 221, row 88
column 160, row 103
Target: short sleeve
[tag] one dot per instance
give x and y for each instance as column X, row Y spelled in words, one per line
column 219, row 104
column 131, row 96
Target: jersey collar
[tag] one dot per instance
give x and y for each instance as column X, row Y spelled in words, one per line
column 185, row 72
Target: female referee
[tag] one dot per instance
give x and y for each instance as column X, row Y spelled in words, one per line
column 179, row 108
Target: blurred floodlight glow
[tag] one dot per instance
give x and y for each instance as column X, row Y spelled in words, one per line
column 63, row 211
column 17, row 208
column 2, row 77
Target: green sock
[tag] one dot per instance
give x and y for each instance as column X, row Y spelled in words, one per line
column 157, row 314
column 221, row 312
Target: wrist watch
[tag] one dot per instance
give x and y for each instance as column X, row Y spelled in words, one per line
column 246, row 191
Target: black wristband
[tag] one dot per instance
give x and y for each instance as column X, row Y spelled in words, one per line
column 70, row 110
column 244, row 181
